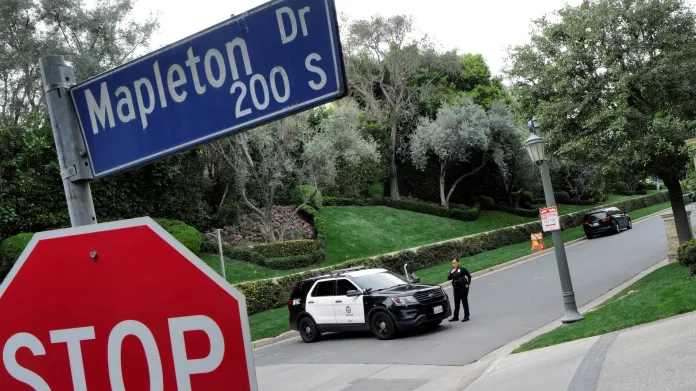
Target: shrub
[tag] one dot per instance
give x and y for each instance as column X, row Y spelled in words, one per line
column 526, row 200
column 283, row 249
column 336, row 201
column 622, row 188
column 687, row 255
column 487, row 202
column 435, row 210
column 262, row 295
column 226, row 214
column 168, row 223
column 539, row 201
column 188, row 236
column 295, row 261
column 240, row 254
column 376, row 191
column 562, row 197
column 317, row 220
column 12, row 248
column 304, row 192
column 642, row 186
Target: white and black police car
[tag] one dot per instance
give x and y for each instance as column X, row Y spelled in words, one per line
column 365, row 299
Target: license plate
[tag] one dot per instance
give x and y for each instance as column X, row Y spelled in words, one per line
column 594, row 224
column 437, row 310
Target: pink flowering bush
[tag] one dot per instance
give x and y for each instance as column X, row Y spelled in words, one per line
column 248, row 228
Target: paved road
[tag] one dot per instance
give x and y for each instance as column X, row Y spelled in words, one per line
column 505, row 305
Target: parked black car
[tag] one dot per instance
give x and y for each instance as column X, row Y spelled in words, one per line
column 607, row 220
column 365, row 299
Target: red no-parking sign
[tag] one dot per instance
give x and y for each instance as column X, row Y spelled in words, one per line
column 120, row 306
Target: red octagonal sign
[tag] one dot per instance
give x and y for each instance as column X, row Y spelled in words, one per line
column 120, row 306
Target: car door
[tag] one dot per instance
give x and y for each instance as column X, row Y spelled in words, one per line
column 349, row 310
column 320, row 302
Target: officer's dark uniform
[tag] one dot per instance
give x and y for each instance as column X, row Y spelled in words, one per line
column 461, row 279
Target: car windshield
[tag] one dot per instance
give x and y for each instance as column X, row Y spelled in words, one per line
column 380, row 281
column 596, row 216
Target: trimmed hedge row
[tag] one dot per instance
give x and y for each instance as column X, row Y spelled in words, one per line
column 283, row 249
column 518, row 212
column 184, row 233
column 262, row 295
column 459, row 213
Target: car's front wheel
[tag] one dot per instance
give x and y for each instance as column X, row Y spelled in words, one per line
column 382, row 326
column 617, row 228
column 630, row 224
column 308, row 330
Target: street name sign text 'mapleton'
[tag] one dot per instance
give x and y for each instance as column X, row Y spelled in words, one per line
column 275, row 60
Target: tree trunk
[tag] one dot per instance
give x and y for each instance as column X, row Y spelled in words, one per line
column 443, row 199
column 393, row 177
column 676, row 198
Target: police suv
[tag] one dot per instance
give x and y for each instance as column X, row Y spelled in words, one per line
column 365, row 299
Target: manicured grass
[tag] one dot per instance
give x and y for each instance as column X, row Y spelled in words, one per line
column 363, row 231
column 240, row 271
column 269, row 323
column 274, row 322
column 666, row 292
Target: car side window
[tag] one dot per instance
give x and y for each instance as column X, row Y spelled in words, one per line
column 343, row 286
column 324, row 288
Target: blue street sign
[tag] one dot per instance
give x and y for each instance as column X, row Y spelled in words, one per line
column 275, row 60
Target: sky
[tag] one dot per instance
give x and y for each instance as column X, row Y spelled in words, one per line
column 487, row 27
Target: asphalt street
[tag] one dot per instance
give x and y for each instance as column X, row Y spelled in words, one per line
column 505, row 305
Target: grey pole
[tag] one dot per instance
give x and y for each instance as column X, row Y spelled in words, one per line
column 75, row 171
column 571, row 309
column 222, row 256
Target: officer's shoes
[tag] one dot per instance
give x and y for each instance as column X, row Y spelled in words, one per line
column 465, row 319
column 454, row 319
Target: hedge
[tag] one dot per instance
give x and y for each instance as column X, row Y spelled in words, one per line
column 262, row 295
column 283, row 249
column 11, row 249
column 185, row 234
column 518, row 212
column 468, row 214
column 687, row 255
column 295, row 261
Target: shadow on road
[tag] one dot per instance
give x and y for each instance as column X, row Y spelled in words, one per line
column 360, row 335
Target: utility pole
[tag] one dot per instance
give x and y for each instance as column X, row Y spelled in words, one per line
column 75, row 169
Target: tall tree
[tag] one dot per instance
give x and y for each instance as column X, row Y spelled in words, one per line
column 615, row 75
column 268, row 156
column 384, row 57
column 475, row 78
column 93, row 37
column 460, row 132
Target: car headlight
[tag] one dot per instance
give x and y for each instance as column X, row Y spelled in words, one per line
column 404, row 300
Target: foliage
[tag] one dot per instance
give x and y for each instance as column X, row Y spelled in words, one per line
column 295, row 261
column 622, row 188
column 283, row 249
column 614, row 75
column 562, row 197
column 293, row 147
column 93, row 36
column 12, row 248
column 460, row 130
column 526, row 199
column 185, row 234
column 487, row 203
column 687, row 255
column 385, row 64
column 306, row 192
column 476, row 79
column 376, row 191
column 266, row 294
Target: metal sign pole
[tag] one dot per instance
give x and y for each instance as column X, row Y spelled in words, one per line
column 222, row 256
column 75, row 171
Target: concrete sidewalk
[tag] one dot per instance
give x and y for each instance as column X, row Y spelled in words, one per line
column 656, row 356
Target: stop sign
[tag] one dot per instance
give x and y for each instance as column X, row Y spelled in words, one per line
column 120, row 306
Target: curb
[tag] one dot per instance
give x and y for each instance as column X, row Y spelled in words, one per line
column 497, row 356
column 294, row 334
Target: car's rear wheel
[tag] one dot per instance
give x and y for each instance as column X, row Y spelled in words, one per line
column 382, row 326
column 308, row 330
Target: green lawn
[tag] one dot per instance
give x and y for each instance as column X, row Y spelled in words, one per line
column 363, row 231
column 274, row 322
column 666, row 292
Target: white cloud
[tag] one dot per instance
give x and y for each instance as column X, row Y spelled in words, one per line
column 487, row 27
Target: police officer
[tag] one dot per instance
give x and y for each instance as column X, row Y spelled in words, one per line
column 461, row 279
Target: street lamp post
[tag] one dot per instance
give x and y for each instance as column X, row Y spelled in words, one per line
column 536, row 149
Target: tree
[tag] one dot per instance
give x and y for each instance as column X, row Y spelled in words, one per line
column 508, row 151
column 268, row 156
column 475, row 78
column 383, row 59
column 460, row 130
column 615, row 75
column 93, row 38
